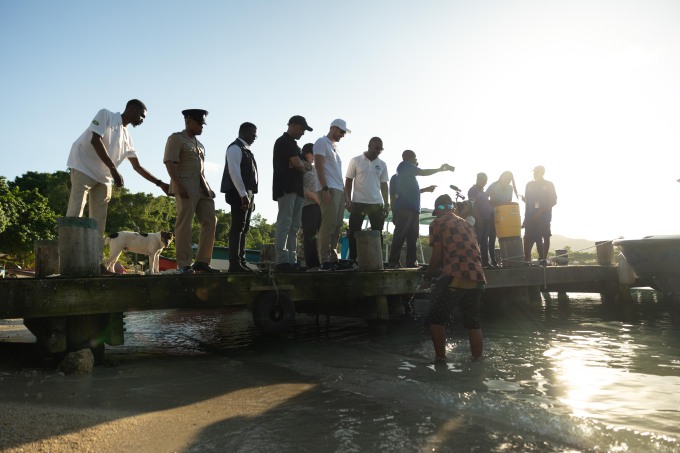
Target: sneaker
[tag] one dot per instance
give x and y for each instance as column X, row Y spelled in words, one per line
column 312, row 269
column 391, row 266
column 327, row 266
column 351, row 266
column 198, row 266
column 186, row 270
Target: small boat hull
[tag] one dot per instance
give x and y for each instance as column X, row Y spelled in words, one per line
column 656, row 260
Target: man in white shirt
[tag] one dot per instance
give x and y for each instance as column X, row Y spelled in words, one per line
column 239, row 184
column 330, row 190
column 368, row 174
column 95, row 157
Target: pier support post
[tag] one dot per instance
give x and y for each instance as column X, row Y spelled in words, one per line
column 50, row 333
column 46, row 257
column 512, row 255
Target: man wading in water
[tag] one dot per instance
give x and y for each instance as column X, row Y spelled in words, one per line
column 456, row 263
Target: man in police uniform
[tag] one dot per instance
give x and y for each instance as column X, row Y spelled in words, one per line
column 184, row 158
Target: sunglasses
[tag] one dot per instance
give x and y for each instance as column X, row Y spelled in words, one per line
column 441, row 207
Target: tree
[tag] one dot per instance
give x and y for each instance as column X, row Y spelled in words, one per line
column 29, row 218
column 56, row 187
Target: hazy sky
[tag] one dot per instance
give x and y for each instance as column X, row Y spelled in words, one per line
column 589, row 89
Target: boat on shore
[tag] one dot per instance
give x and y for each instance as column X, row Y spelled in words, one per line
column 656, row 261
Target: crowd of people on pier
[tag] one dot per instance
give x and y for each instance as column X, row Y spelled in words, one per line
column 312, row 190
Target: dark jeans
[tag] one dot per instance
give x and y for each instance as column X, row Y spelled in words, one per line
column 406, row 228
column 311, row 222
column 492, row 239
column 240, row 224
column 482, row 231
column 376, row 216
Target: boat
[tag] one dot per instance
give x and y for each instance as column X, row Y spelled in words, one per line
column 656, row 261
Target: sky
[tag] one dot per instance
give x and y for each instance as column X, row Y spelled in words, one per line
column 589, row 89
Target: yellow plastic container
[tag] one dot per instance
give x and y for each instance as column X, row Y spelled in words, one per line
column 508, row 220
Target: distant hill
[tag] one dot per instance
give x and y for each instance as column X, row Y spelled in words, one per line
column 561, row 242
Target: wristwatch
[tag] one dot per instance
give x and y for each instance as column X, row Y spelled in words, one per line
column 324, row 188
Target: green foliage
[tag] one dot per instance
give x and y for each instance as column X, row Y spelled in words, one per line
column 260, row 233
column 140, row 212
column 56, row 187
column 28, row 218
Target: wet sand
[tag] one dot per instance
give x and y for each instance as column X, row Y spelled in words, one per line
column 141, row 403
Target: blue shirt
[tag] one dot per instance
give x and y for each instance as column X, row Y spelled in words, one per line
column 405, row 188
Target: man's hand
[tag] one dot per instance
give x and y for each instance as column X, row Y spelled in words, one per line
column 164, row 187
column 447, row 167
column 429, row 188
column 117, row 177
column 325, row 196
column 245, row 203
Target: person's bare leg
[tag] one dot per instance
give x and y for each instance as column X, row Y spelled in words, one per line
column 546, row 247
column 476, row 342
column 540, row 248
column 438, row 333
column 528, row 243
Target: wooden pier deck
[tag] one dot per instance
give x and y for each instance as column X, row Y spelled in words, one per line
column 69, row 313
column 66, row 296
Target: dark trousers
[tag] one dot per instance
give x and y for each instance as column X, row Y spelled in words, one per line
column 311, row 222
column 406, row 228
column 492, row 239
column 482, row 231
column 240, row 224
column 376, row 217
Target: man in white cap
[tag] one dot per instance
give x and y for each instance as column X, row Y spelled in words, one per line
column 330, row 189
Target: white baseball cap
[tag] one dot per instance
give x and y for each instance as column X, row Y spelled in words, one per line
column 341, row 124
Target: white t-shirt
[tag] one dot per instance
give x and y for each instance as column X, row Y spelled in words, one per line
column 367, row 176
column 117, row 142
column 332, row 165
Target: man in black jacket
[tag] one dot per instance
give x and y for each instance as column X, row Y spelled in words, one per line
column 239, row 184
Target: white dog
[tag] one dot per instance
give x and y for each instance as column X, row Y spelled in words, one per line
column 151, row 244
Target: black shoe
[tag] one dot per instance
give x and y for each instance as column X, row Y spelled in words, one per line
column 286, row 267
column 186, row 270
column 327, row 266
column 238, row 268
column 204, row 267
column 104, row 271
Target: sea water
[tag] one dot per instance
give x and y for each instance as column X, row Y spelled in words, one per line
column 562, row 374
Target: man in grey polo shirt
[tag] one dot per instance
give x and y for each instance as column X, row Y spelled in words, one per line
column 330, row 190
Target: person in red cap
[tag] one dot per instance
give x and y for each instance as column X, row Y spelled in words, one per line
column 184, row 158
column 456, row 264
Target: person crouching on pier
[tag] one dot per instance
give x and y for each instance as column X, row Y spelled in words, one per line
column 456, row 264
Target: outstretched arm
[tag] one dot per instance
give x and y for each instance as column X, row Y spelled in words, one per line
column 432, row 171
column 148, row 176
